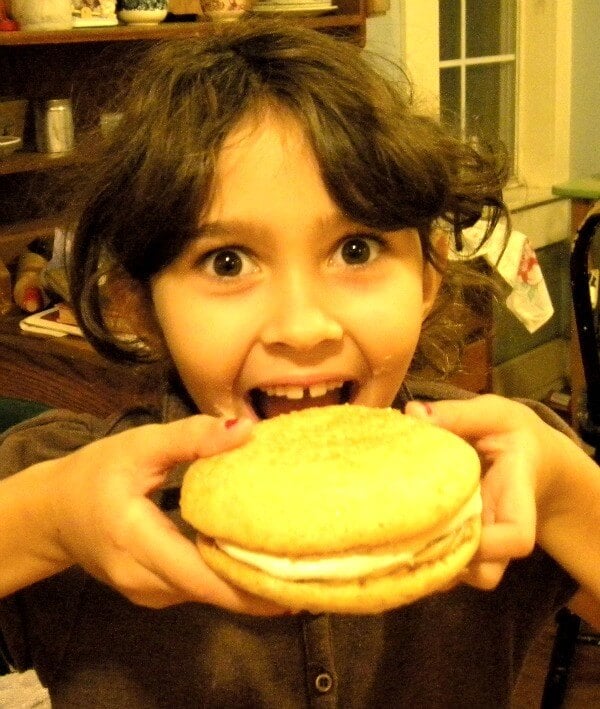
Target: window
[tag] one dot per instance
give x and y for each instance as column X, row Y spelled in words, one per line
column 536, row 58
column 478, row 69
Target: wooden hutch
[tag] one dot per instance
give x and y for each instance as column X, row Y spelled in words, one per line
column 82, row 64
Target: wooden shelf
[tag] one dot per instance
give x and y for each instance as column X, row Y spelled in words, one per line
column 29, row 161
column 164, row 30
column 65, row 372
column 15, row 237
column 117, row 33
column 30, row 63
column 87, row 65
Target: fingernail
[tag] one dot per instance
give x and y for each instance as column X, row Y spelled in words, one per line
column 419, row 409
column 230, row 423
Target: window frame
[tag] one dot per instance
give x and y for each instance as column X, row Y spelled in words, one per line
column 543, row 95
column 464, row 61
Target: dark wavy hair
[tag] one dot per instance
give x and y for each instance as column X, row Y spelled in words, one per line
column 383, row 164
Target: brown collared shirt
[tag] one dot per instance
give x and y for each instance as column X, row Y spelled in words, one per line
column 93, row 648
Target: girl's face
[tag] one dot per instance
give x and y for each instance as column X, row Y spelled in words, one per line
column 282, row 302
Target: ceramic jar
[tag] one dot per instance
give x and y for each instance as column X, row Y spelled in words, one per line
column 42, row 14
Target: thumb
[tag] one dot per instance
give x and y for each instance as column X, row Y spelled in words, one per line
column 189, row 438
column 146, row 453
column 468, row 418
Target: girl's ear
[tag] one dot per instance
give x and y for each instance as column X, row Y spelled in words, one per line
column 131, row 310
column 433, row 274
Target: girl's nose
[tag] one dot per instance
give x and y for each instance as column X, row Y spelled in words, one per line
column 301, row 318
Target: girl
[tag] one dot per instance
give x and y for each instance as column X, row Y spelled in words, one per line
column 267, row 222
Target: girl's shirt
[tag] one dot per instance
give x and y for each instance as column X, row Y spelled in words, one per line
column 92, row 647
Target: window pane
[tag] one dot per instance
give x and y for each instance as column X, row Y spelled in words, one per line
column 490, row 27
column 490, row 104
column 449, row 29
column 450, row 97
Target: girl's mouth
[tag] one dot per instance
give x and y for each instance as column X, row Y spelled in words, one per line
column 281, row 399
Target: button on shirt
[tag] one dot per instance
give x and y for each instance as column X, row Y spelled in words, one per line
column 319, row 660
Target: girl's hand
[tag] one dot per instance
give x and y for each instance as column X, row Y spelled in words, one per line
column 509, row 438
column 105, row 521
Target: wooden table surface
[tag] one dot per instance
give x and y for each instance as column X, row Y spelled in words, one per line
column 68, row 373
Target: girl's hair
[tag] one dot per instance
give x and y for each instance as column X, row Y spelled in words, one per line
column 383, row 164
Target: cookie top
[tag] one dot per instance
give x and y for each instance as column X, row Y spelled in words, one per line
column 330, row 479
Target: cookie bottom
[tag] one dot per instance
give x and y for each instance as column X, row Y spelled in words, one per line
column 372, row 594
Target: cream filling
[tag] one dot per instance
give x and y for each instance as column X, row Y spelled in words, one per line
column 356, row 564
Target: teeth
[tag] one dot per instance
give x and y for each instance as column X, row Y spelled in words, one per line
column 319, row 390
column 291, row 392
column 295, row 392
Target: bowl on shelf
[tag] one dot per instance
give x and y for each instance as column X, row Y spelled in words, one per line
column 142, row 12
column 9, row 143
column 224, row 10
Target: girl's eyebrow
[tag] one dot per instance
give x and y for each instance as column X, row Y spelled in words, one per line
column 215, row 229
column 237, row 227
column 229, row 228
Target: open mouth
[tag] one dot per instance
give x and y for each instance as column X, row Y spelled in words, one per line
column 282, row 399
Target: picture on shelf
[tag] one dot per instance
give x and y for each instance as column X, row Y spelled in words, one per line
column 53, row 322
column 94, row 13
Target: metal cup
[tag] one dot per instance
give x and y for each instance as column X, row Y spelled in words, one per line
column 54, row 131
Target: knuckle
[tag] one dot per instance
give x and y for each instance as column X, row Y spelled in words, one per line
column 525, row 548
column 488, row 575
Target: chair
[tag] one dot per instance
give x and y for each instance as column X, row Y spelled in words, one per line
column 13, row 411
column 569, row 632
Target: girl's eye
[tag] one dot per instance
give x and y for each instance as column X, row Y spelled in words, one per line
column 358, row 250
column 227, row 263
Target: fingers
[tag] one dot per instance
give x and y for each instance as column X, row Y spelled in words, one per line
column 496, row 428
column 106, row 522
column 161, row 446
column 169, row 570
column 500, row 543
column 508, row 532
column 471, row 418
column 136, row 462
column 485, row 576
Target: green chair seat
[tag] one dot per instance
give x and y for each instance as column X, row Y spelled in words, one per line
column 13, row 411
